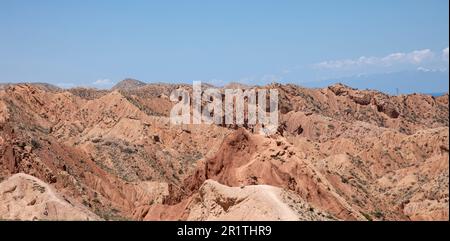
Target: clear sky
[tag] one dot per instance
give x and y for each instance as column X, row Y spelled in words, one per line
column 98, row 43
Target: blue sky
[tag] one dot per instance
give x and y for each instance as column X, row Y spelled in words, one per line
column 98, row 43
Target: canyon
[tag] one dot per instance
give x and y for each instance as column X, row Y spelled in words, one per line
column 339, row 153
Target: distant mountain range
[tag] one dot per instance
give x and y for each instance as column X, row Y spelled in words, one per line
column 405, row 82
column 424, row 81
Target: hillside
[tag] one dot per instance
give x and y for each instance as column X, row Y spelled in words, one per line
column 339, row 153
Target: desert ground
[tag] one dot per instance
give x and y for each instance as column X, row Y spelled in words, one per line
column 338, row 154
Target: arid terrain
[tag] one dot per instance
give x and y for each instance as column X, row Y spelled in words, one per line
column 339, row 154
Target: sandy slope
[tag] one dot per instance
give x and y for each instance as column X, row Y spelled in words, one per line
column 24, row 197
column 258, row 202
